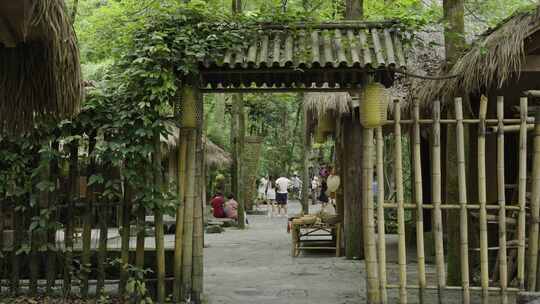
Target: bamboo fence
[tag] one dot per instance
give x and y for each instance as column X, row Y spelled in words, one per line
column 96, row 239
column 504, row 261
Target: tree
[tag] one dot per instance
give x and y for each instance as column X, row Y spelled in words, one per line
column 454, row 42
column 352, row 167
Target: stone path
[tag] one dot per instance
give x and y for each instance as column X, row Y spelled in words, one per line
column 255, row 266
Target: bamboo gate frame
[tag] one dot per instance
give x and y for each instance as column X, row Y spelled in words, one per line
column 375, row 245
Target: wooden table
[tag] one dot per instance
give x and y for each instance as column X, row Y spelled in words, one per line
column 304, row 234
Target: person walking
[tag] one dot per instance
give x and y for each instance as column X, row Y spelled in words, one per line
column 271, row 196
column 282, row 187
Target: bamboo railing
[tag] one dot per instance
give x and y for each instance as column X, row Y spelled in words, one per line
column 496, row 256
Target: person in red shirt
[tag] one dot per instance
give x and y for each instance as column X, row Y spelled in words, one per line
column 217, row 205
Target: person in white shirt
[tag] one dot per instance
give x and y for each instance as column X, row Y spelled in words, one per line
column 296, row 185
column 282, row 187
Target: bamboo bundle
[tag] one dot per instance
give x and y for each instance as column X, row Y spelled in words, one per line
column 484, row 262
column 88, row 218
column 103, row 214
column 197, row 274
column 179, row 233
column 380, row 215
column 419, row 201
column 436, row 185
column 503, row 269
column 158, row 221
column 535, row 210
column 402, row 249
column 187, row 254
column 370, row 250
column 522, row 198
column 464, row 241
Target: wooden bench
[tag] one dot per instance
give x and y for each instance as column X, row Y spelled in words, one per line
column 303, row 235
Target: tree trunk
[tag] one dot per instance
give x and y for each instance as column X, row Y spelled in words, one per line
column 354, row 9
column 352, row 189
column 454, row 43
column 238, row 140
column 305, row 162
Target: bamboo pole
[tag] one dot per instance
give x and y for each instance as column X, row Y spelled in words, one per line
column 187, row 249
column 402, row 249
column 103, row 213
column 370, row 250
column 88, row 218
column 436, row 197
column 51, row 233
column 419, row 201
column 125, row 235
column 34, row 235
column 69, row 229
column 503, row 269
column 197, row 272
column 484, row 262
column 141, row 227
column 158, row 220
column 380, row 215
column 179, row 233
column 522, row 197
column 535, row 210
column 462, row 184
column 15, row 260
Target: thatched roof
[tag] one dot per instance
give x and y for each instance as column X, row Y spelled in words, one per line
column 39, row 63
column 493, row 60
column 215, row 155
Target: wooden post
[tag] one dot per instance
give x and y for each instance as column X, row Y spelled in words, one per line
column 380, row 215
column 187, row 251
column 370, row 247
column 482, row 198
column 522, row 197
column 535, row 209
column 141, row 227
column 503, row 269
column 437, row 200
column 158, row 221
column 179, row 233
column 103, row 213
column 419, row 201
column 402, row 245
column 462, row 184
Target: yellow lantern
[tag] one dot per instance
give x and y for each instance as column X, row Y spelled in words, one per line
column 373, row 105
column 188, row 108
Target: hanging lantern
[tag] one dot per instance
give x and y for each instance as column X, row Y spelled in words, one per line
column 319, row 136
column 373, row 105
column 327, row 123
column 333, row 182
column 188, row 108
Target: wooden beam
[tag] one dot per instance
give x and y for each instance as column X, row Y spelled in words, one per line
column 531, row 64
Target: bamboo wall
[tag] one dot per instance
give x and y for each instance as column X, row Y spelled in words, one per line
column 508, row 229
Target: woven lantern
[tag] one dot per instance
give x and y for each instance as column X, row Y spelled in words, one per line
column 327, row 123
column 373, row 105
column 188, row 108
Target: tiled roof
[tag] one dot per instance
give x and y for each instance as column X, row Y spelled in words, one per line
column 309, row 50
